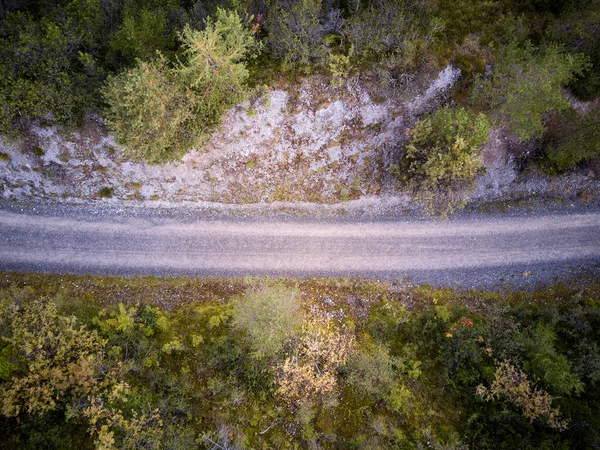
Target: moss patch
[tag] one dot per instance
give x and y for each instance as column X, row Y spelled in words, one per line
column 106, row 192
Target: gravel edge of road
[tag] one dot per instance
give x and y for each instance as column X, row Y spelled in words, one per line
column 366, row 210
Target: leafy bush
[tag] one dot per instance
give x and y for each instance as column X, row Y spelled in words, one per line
column 397, row 32
column 295, row 34
column 309, row 371
column 514, row 385
column 53, row 360
column 142, row 32
column 442, row 158
column 271, row 317
column 571, row 138
column 159, row 112
column 46, row 70
column 52, row 365
column 527, row 84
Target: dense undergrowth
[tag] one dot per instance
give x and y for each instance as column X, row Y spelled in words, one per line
column 106, row 362
column 163, row 72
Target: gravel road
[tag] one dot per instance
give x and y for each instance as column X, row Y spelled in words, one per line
column 466, row 251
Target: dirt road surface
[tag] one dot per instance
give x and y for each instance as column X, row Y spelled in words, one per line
column 473, row 251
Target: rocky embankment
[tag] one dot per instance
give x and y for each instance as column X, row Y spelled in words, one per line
column 311, row 144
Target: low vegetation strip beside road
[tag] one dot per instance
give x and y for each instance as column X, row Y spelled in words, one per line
column 132, row 245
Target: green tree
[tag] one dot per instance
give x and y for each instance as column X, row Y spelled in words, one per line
column 150, row 112
column 577, row 28
column 527, row 84
column 158, row 112
column 215, row 65
column 443, row 158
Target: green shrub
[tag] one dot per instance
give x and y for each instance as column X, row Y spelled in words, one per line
column 577, row 28
column 295, row 34
column 398, row 30
column 464, row 359
column 442, row 158
column 141, row 336
column 37, row 151
column 464, row 17
column 527, row 84
column 571, row 138
column 183, row 374
column 372, row 371
column 142, row 33
column 271, row 317
column 587, row 362
column 106, row 192
column 46, row 71
column 547, row 363
column 340, row 66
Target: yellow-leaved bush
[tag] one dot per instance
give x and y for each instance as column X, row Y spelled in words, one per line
column 309, row 371
column 514, row 386
column 53, row 364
